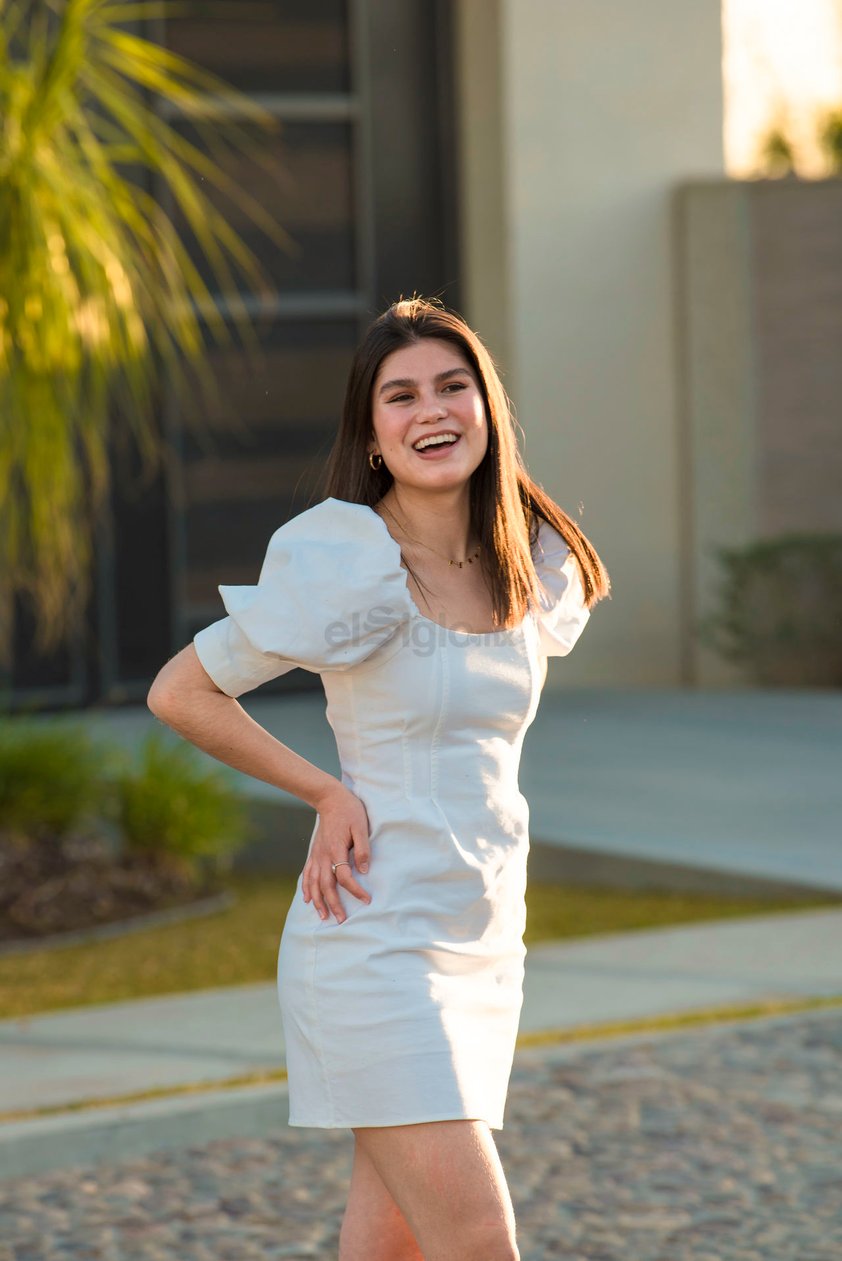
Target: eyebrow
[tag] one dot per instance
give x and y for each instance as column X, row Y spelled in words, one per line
column 407, row 381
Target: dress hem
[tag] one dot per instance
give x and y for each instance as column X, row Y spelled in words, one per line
column 495, row 1124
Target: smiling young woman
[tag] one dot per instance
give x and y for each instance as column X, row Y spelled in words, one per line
column 421, row 370
column 401, row 961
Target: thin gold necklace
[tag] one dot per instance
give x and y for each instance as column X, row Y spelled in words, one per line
column 469, row 560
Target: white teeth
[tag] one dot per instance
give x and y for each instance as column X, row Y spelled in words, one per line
column 437, row 441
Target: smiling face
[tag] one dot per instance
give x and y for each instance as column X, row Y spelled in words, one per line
column 428, row 388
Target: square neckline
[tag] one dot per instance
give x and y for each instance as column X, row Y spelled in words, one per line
column 451, row 630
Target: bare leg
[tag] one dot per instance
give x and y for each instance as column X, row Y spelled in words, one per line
column 373, row 1228
column 447, row 1180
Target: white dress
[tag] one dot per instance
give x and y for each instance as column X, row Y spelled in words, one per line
column 408, row 1011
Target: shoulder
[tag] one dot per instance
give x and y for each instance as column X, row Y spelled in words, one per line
column 550, row 542
column 331, row 535
column 562, row 614
column 331, row 591
column 324, row 519
column 332, row 557
column 333, row 526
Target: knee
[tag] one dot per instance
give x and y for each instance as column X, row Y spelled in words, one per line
column 490, row 1241
column 379, row 1251
column 383, row 1237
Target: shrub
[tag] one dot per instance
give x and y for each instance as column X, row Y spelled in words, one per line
column 830, row 139
column 780, row 610
column 173, row 808
column 50, row 778
column 777, row 154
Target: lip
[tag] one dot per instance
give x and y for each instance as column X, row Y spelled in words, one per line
column 437, row 450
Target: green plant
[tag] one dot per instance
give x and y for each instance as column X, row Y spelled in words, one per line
column 50, row 778
column 98, row 292
column 830, row 139
column 780, row 610
column 172, row 807
column 777, row 155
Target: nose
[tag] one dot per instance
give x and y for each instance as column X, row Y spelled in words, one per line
column 431, row 406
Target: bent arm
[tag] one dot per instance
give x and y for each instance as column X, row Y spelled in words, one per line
column 185, row 698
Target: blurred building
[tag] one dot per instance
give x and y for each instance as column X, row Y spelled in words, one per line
column 364, row 181
column 524, row 160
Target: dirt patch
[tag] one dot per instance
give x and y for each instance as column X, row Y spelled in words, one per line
column 54, row 886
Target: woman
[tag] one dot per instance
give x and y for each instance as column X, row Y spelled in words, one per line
column 428, row 588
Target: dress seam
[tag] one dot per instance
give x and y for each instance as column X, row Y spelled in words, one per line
column 444, row 657
column 355, row 726
column 533, row 656
column 318, row 1017
column 407, row 763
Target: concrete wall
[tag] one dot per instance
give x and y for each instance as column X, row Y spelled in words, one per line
column 577, row 119
column 717, row 384
column 760, row 267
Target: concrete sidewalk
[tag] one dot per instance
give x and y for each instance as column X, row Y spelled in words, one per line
column 732, row 787
column 213, row 1036
column 729, row 785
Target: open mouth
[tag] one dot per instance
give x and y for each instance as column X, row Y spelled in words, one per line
column 437, row 445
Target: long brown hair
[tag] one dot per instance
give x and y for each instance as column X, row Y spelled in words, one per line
column 505, row 502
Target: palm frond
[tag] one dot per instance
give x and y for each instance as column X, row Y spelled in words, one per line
column 98, row 287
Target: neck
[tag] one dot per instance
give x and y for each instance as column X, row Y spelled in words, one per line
column 440, row 519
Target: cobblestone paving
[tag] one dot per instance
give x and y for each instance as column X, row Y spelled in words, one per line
column 721, row 1144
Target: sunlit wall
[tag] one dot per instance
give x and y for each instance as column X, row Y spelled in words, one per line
column 579, row 120
column 782, row 67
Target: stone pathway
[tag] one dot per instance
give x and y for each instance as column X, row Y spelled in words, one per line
column 719, row 1144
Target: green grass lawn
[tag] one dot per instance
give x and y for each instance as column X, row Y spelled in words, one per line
column 240, row 945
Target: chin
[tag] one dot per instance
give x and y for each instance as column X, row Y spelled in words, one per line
column 439, row 483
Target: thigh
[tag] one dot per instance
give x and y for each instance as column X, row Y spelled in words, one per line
column 374, row 1228
column 447, row 1180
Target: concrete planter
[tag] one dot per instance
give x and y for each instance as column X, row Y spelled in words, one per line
column 759, row 342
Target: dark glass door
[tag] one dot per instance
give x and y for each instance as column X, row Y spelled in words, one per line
column 361, row 174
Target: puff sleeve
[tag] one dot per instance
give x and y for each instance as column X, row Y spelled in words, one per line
column 563, row 614
column 330, row 592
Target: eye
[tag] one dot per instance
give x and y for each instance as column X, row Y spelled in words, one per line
column 399, row 398
column 456, row 385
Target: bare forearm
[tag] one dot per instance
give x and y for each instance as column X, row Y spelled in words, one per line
column 219, row 725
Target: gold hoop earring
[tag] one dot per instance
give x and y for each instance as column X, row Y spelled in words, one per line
column 371, row 458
